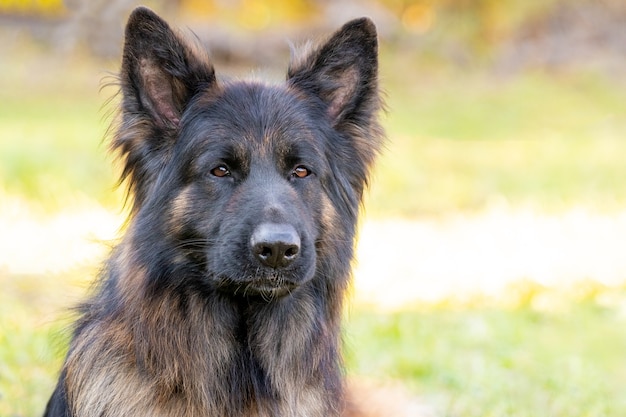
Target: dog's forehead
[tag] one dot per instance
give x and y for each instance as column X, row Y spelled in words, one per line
column 255, row 118
column 267, row 106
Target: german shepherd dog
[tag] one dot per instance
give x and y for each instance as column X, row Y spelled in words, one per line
column 224, row 297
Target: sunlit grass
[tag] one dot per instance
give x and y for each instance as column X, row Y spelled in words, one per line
column 52, row 149
column 499, row 362
column 465, row 142
column 534, row 351
column 32, row 338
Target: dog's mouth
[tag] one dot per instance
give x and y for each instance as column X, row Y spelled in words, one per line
column 270, row 288
column 265, row 288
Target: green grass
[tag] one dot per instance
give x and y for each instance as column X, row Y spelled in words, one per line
column 466, row 141
column 52, row 148
column 482, row 362
column 32, row 341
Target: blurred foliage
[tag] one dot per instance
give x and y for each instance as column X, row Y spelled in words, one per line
column 44, row 8
column 485, row 18
column 488, row 20
column 250, row 14
column 460, row 31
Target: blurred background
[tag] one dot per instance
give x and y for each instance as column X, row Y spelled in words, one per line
column 491, row 270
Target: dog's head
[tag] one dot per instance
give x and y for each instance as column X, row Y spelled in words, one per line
column 246, row 183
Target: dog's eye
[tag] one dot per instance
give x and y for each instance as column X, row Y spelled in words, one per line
column 220, row 171
column 301, row 172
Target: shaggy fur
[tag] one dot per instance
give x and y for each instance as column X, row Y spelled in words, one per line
column 224, row 298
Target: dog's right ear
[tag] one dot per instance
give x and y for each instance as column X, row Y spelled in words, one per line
column 160, row 74
column 160, row 71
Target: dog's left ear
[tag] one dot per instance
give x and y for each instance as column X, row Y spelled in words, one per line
column 343, row 73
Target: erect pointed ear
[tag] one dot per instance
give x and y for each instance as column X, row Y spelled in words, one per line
column 160, row 71
column 342, row 72
column 342, row 76
column 160, row 75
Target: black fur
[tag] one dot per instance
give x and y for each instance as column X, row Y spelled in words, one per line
column 225, row 296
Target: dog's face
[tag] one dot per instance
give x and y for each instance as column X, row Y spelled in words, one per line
column 243, row 182
column 248, row 172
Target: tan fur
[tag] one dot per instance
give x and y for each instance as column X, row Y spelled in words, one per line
column 180, row 368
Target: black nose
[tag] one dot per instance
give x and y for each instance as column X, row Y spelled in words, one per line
column 275, row 244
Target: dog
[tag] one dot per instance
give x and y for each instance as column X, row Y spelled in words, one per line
column 225, row 295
